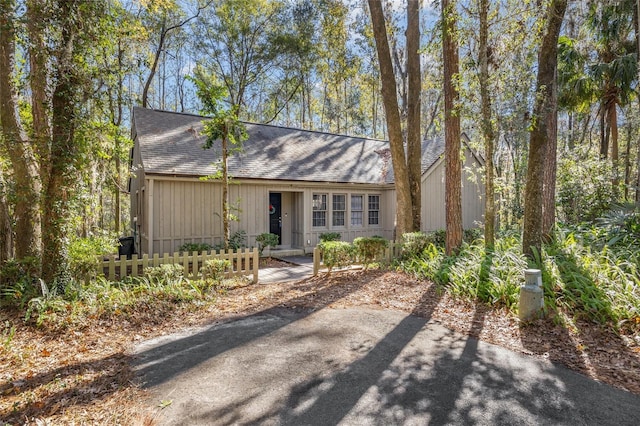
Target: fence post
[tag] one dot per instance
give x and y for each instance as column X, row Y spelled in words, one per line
column 134, row 265
column 256, row 262
column 316, row 261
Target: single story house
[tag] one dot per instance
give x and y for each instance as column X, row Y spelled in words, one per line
column 294, row 183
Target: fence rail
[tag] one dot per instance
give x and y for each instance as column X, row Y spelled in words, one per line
column 243, row 262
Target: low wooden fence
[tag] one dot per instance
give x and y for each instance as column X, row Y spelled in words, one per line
column 393, row 251
column 243, row 262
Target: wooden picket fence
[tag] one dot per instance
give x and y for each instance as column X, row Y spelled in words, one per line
column 243, row 262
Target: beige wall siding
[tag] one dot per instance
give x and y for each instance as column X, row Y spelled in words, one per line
column 433, row 196
column 188, row 210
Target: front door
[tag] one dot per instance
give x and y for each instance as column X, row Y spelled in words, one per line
column 275, row 214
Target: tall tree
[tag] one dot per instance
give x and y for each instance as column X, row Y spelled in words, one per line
column 404, row 209
column 488, row 131
column 539, row 134
column 16, row 141
column 453, row 163
column 611, row 22
column 414, row 89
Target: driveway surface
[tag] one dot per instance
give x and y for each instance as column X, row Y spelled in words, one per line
column 362, row 367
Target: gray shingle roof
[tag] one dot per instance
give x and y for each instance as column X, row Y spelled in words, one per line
column 171, row 143
column 432, row 150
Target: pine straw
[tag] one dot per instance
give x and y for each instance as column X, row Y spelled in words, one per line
column 83, row 376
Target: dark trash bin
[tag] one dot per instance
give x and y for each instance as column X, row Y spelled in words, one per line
column 127, row 247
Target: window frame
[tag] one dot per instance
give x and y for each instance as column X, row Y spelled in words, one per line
column 319, row 213
column 361, row 210
column 375, row 209
column 334, row 210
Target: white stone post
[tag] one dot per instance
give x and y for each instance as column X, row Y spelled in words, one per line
column 531, row 295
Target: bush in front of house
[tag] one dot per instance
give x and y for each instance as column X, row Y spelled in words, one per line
column 267, row 240
column 414, row 243
column 369, row 249
column 213, row 272
column 336, row 254
column 197, row 247
column 330, row 236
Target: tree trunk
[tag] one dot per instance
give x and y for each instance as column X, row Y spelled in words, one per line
column 6, row 232
column 414, row 140
column 487, row 128
column 390, row 100
column 225, row 190
column 154, row 65
column 612, row 119
column 57, row 193
column 38, row 79
column 550, row 166
column 25, row 174
column 453, row 164
column 627, row 163
column 636, row 23
column 538, row 145
column 604, row 133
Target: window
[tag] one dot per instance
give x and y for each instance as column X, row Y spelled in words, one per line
column 374, row 210
column 339, row 209
column 357, row 207
column 319, row 209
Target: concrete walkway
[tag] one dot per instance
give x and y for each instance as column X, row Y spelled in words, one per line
column 362, row 367
column 301, row 268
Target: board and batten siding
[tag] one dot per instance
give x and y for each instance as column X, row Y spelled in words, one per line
column 433, row 195
column 188, row 210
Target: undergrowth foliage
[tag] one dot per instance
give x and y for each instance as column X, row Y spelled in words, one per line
column 160, row 289
column 583, row 274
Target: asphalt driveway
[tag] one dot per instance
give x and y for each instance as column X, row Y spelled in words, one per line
column 362, row 367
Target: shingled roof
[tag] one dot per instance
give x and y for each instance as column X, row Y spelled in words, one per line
column 171, row 144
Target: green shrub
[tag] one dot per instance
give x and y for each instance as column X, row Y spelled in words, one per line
column 330, row 236
column 267, row 240
column 215, row 269
column 414, row 243
column 336, row 254
column 84, row 255
column 369, row 249
column 165, row 273
column 197, row 247
column 238, row 240
column 19, row 281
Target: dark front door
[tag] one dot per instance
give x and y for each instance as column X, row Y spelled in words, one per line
column 275, row 214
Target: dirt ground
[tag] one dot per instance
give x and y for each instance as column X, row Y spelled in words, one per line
column 83, row 376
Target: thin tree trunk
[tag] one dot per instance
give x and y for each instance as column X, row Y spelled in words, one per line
column 453, row 163
column 547, row 65
column 6, row 233
column 627, row 164
column 612, row 118
column 550, row 166
column 487, row 128
column 414, row 140
column 636, row 22
column 225, row 190
column 392, row 112
column 38, row 79
column 604, row 133
column 25, row 174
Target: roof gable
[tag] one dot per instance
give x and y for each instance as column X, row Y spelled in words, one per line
column 172, row 144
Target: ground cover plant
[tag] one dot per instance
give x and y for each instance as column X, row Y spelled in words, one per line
column 584, row 276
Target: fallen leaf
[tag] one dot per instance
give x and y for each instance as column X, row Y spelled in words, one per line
column 165, row 403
